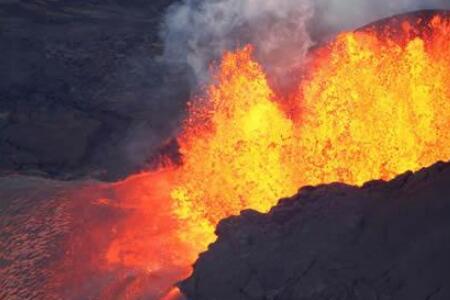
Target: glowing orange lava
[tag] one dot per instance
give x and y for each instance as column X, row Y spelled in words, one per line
column 371, row 107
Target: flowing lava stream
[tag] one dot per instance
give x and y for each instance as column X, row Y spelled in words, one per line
column 373, row 105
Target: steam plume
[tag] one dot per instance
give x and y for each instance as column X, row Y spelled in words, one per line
column 198, row 31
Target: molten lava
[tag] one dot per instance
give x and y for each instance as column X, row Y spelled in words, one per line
column 372, row 106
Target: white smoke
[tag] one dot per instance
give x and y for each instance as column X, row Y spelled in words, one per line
column 337, row 15
column 199, row 31
column 196, row 32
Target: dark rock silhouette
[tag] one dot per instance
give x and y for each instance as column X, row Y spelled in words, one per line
column 385, row 240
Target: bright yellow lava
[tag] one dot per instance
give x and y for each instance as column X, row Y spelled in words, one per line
column 374, row 109
column 233, row 146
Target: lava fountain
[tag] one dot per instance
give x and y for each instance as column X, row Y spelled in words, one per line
column 371, row 107
column 373, row 104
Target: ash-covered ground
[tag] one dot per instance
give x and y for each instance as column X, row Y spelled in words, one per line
column 385, row 240
column 82, row 89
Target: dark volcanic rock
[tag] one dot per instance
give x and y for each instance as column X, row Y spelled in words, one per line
column 81, row 89
column 385, row 240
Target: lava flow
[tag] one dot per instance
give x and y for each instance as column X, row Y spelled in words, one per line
column 371, row 106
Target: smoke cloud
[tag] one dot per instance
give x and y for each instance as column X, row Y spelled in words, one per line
column 196, row 32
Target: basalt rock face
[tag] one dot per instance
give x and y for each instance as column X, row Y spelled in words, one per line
column 385, row 240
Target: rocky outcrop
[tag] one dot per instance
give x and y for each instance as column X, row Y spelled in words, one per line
column 385, row 240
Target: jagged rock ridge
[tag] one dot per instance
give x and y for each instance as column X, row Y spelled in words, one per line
column 385, row 240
